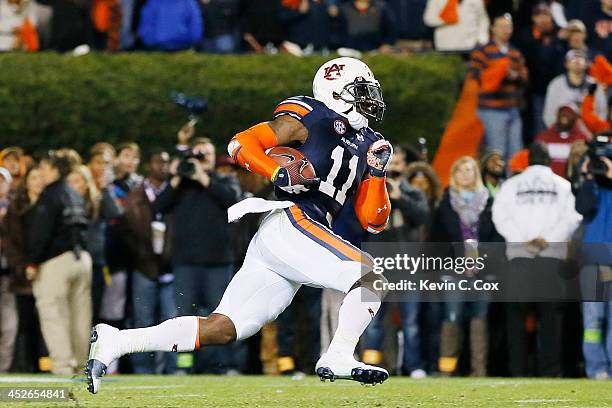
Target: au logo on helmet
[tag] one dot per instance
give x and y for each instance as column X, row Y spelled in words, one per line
column 333, row 72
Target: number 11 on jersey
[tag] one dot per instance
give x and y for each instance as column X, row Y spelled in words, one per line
column 327, row 186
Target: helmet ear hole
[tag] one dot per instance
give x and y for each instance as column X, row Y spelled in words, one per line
column 336, row 95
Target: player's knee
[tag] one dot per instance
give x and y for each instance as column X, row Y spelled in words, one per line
column 218, row 329
column 374, row 282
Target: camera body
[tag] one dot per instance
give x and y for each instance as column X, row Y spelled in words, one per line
column 600, row 146
column 194, row 105
column 186, row 168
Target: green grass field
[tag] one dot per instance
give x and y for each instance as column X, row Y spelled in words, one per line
column 259, row 391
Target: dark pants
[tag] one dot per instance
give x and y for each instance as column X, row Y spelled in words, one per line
column 152, row 303
column 548, row 333
column 97, row 289
column 29, row 345
column 305, row 310
column 198, row 290
column 409, row 315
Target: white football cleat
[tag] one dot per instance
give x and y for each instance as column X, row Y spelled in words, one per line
column 102, row 352
column 336, row 367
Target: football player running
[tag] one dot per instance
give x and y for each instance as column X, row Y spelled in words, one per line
column 294, row 245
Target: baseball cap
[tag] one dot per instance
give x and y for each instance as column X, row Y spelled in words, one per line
column 540, row 8
column 576, row 25
column 569, row 106
column 571, row 54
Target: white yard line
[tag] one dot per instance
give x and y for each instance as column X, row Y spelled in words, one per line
column 12, row 380
column 541, row 401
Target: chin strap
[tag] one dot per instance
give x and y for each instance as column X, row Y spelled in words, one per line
column 357, row 120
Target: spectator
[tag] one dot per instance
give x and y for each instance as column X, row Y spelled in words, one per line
column 106, row 19
column 535, row 213
column 149, row 238
column 594, row 202
column 12, row 159
column 367, row 25
column 60, row 267
column 171, row 25
column 493, row 170
column 501, row 73
column 423, row 177
column 300, row 16
column 538, row 44
column 8, row 309
column 410, row 212
column 101, row 169
column 575, row 39
column 260, row 24
column 130, row 19
column 30, row 350
column 412, row 32
column 101, row 158
column 577, row 151
column 559, row 137
column 198, row 199
column 571, row 88
column 464, row 214
column 18, row 25
column 519, row 162
column 221, row 26
column 70, row 23
column 599, row 22
column 100, row 206
column 118, row 259
column 459, row 25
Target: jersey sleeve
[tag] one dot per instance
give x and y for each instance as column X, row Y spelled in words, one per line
column 297, row 107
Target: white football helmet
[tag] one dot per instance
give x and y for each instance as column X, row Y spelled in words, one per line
column 345, row 84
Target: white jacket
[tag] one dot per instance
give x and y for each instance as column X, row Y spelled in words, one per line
column 536, row 204
column 471, row 30
column 11, row 18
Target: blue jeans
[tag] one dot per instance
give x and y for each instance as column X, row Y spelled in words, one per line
column 457, row 312
column 409, row 315
column 597, row 322
column 198, row 291
column 537, row 111
column 126, row 36
column 152, row 303
column 503, row 130
column 221, row 44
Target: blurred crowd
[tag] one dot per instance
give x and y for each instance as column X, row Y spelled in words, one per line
column 272, row 26
column 88, row 238
column 94, row 240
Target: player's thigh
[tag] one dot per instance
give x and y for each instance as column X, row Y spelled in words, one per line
column 309, row 253
column 255, row 296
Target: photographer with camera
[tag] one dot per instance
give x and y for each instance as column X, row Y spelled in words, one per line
column 198, row 198
column 59, row 266
column 593, row 190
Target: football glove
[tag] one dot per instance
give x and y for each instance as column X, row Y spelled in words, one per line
column 294, row 185
column 379, row 156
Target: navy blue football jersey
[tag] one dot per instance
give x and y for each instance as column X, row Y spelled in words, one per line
column 337, row 152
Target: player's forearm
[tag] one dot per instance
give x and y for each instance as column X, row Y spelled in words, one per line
column 248, row 149
column 372, row 204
